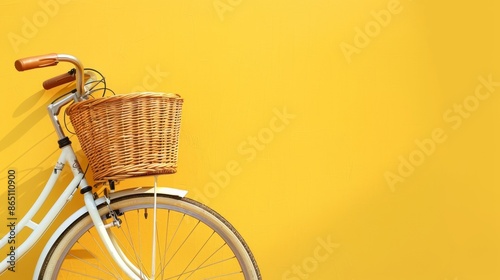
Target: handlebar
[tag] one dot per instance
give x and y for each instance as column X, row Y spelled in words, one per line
column 53, row 59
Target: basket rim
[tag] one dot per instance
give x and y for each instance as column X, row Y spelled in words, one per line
column 123, row 97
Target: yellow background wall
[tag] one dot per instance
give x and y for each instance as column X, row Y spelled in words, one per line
column 365, row 133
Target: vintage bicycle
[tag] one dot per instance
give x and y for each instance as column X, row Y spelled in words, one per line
column 136, row 233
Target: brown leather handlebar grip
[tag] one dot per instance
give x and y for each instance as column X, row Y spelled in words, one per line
column 36, row 62
column 59, row 80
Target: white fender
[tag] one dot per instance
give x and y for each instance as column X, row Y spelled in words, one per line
column 99, row 201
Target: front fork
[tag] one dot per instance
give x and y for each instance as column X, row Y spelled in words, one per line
column 109, row 243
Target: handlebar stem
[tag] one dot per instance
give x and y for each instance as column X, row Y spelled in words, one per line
column 54, row 110
column 79, row 72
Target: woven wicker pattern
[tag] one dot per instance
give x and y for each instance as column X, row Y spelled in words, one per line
column 129, row 135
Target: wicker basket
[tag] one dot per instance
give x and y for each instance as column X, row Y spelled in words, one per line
column 129, row 135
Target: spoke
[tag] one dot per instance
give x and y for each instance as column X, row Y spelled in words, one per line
column 171, row 241
column 103, row 253
column 176, row 230
column 183, row 242
column 211, row 264
column 197, row 253
column 203, row 267
column 129, row 239
column 223, row 275
column 165, row 251
column 106, row 271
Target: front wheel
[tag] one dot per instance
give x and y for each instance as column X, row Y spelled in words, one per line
column 191, row 241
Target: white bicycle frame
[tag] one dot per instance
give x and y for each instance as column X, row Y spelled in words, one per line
column 68, row 157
